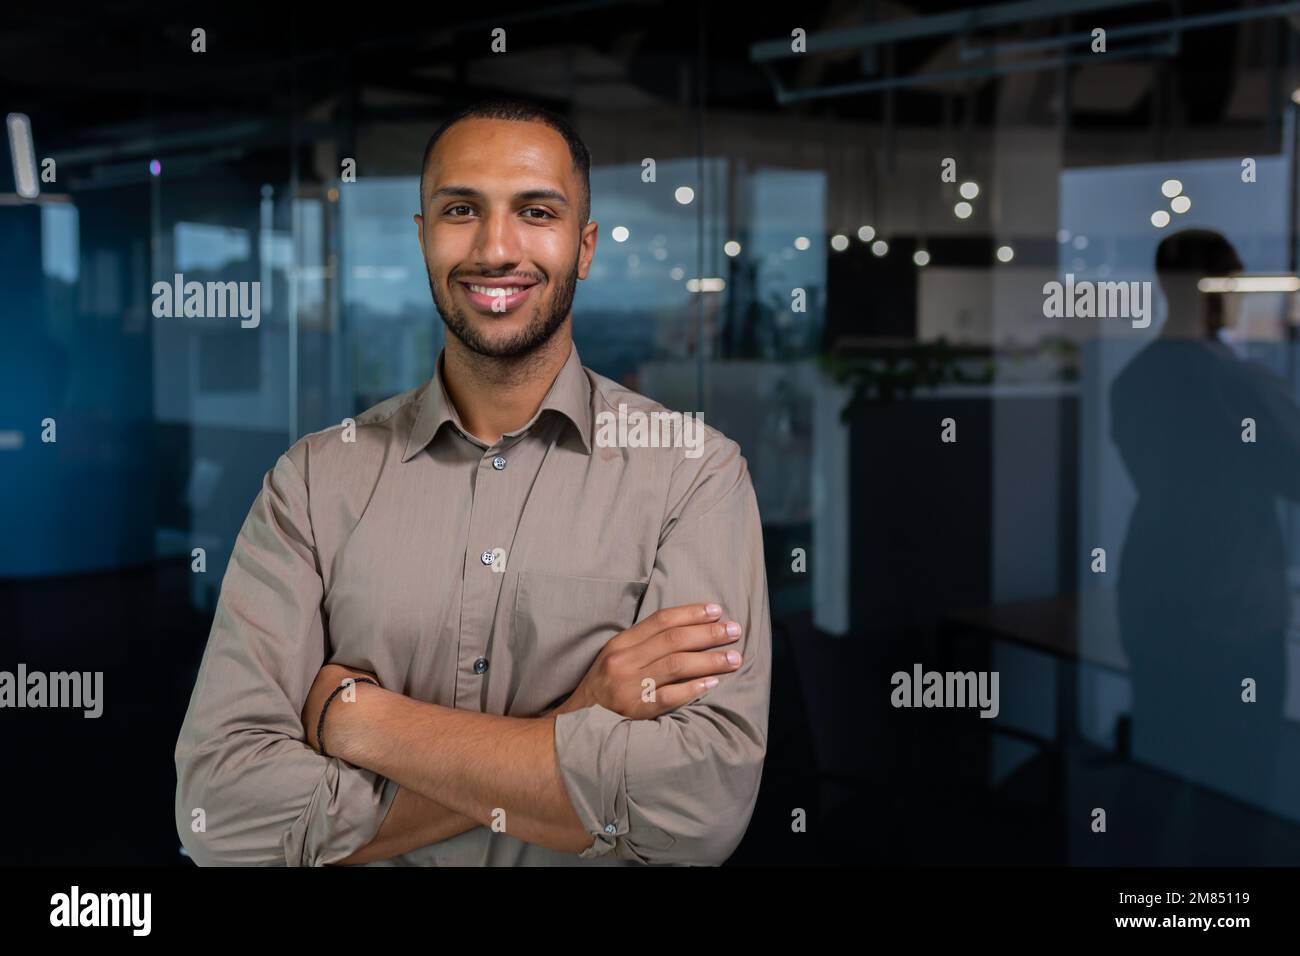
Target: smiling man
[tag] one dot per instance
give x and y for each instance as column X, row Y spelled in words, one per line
column 562, row 650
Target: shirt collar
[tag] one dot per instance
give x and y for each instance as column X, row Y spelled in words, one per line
column 570, row 395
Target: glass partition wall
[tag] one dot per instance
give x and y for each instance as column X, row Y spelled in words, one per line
column 914, row 271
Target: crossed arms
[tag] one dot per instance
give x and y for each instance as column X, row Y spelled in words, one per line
column 669, row 785
column 458, row 769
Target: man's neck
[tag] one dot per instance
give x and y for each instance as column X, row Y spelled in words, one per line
column 494, row 396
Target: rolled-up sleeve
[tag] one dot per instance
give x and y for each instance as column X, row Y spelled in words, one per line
column 250, row 791
column 681, row 788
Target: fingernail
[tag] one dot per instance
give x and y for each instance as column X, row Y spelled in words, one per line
column 712, row 609
column 733, row 657
column 711, row 683
column 733, row 628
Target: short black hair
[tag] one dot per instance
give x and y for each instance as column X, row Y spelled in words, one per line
column 520, row 110
column 1201, row 251
column 1192, row 254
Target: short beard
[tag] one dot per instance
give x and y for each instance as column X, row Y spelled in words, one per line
column 528, row 341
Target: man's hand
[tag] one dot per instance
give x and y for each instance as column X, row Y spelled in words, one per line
column 668, row 648
column 329, row 678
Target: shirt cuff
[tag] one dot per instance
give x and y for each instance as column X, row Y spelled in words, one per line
column 343, row 815
column 591, row 751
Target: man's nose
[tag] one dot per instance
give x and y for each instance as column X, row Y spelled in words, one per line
column 497, row 240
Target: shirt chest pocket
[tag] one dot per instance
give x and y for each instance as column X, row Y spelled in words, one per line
column 561, row 622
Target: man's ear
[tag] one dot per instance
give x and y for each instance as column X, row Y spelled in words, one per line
column 587, row 247
column 419, row 228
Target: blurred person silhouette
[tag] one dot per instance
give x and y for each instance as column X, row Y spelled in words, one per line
column 1203, row 595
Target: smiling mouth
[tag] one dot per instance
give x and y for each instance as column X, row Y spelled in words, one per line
column 496, row 300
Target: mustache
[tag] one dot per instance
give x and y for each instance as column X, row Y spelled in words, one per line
column 456, row 276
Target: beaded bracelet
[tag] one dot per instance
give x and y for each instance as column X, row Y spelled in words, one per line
column 320, row 724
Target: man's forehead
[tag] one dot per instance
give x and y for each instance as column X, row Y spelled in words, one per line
column 501, row 143
column 495, row 156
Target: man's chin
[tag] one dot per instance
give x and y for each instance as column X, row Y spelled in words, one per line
column 498, row 337
column 499, row 343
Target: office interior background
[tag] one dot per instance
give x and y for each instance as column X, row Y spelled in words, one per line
column 922, row 299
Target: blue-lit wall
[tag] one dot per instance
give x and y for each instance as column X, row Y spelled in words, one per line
column 85, row 501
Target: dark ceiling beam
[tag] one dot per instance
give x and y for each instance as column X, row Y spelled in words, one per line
column 937, row 25
column 1172, row 25
column 248, row 135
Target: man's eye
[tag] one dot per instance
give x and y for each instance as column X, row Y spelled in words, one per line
column 451, row 210
column 544, row 212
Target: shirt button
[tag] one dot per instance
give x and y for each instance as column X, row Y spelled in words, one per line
column 610, row 828
column 480, row 665
column 498, row 463
column 486, row 557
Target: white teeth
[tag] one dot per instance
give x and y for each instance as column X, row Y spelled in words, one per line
column 497, row 291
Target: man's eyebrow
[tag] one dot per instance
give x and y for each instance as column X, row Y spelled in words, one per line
column 554, row 195
column 528, row 195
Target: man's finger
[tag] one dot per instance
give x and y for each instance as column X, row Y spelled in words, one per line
column 695, row 637
column 672, row 696
column 682, row 666
column 683, row 615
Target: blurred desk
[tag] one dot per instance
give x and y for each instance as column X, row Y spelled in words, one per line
column 1052, row 626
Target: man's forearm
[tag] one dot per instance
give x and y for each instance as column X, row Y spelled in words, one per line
column 413, row 821
column 474, row 764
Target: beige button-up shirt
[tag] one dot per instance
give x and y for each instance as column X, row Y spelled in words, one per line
column 485, row 578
